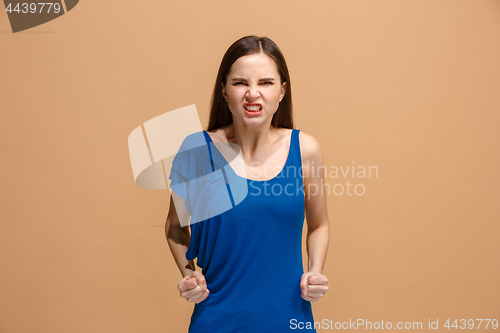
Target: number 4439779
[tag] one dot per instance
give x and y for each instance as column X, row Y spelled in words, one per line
column 34, row 7
column 471, row 323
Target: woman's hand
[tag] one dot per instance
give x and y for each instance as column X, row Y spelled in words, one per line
column 313, row 286
column 193, row 287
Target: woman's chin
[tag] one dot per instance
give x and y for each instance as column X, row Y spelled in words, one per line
column 253, row 122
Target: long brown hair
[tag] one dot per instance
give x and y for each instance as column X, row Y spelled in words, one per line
column 220, row 115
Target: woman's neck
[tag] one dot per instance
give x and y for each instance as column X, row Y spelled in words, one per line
column 251, row 139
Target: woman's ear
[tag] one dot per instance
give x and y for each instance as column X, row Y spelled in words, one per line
column 224, row 91
column 283, row 90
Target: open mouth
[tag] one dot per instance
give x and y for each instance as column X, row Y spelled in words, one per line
column 253, row 108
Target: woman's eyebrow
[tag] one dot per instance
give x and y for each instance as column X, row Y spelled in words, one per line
column 242, row 79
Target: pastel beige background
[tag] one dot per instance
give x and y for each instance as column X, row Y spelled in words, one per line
column 411, row 87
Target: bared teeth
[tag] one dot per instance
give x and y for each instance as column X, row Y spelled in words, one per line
column 253, row 108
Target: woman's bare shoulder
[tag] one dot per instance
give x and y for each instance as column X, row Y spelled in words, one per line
column 220, row 134
column 217, row 134
column 310, row 149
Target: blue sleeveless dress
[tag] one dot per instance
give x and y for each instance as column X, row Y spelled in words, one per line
column 251, row 254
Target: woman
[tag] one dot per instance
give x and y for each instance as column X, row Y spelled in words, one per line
column 251, row 255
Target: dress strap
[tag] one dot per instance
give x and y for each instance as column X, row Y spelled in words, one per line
column 209, row 141
column 297, row 161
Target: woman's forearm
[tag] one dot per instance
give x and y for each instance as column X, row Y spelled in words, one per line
column 317, row 247
column 178, row 240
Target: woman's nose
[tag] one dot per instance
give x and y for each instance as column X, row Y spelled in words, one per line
column 253, row 92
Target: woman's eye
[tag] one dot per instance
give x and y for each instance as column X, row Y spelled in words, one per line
column 266, row 82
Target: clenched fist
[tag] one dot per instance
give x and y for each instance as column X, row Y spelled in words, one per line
column 313, row 286
column 193, row 287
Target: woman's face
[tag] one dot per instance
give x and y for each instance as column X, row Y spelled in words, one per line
column 253, row 89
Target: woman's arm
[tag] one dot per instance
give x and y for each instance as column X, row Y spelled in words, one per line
column 318, row 226
column 178, row 240
column 193, row 286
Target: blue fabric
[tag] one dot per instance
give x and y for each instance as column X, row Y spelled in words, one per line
column 251, row 254
column 204, row 181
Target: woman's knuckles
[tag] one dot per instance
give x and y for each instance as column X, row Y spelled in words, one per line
column 192, row 292
column 202, row 298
